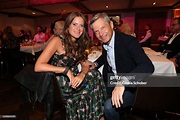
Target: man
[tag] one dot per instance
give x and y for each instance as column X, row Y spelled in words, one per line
column 121, row 54
column 39, row 36
column 171, row 47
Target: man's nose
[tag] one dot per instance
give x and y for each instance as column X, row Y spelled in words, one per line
column 100, row 32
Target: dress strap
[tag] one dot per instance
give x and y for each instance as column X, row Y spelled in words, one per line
column 60, row 36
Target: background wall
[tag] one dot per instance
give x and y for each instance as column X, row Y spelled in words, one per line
column 17, row 23
column 45, row 21
column 158, row 20
column 26, row 24
column 129, row 18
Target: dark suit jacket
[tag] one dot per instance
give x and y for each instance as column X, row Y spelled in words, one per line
column 174, row 47
column 129, row 58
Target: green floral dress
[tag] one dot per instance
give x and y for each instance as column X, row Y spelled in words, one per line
column 85, row 102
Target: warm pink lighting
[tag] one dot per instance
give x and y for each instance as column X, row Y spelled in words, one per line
column 41, row 2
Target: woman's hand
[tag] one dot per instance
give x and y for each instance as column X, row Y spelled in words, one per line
column 71, row 77
column 78, row 80
column 80, row 77
column 75, row 81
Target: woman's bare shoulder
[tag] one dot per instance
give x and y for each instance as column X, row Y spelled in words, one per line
column 56, row 40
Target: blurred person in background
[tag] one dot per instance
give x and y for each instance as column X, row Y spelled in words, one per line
column 126, row 28
column 48, row 34
column 9, row 40
column 39, row 36
column 21, row 35
column 171, row 47
column 28, row 35
column 167, row 32
column 57, row 27
column 10, row 50
column 146, row 40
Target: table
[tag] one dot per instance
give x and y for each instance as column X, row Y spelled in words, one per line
column 163, row 66
column 32, row 49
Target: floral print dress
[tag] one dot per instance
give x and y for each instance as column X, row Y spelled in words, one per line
column 86, row 101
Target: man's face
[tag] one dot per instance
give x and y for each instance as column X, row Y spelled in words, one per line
column 58, row 30
column 38, row 29
column 103, row 30
column 175, row 26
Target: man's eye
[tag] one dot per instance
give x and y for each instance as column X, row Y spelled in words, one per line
column 96, row 32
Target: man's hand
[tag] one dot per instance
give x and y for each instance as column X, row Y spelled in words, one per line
column 89, row 63
column 174, row 61
column 117, row 96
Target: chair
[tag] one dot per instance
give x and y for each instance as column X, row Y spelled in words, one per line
column 12, row 60
column 38, row 86
column 4, row 65
column 154, row 101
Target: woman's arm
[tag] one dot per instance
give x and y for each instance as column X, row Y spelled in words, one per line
column 148, row 35
column 55, row 45
column 42, row 62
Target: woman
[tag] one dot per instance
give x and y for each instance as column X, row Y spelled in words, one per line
column 146, row 40
column 57, row 30
column 9, row 40
column 10, row 50
column 84, row 91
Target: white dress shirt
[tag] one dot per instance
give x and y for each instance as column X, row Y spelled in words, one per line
column 110, row 54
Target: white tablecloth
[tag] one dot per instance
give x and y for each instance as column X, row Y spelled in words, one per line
column 32, row 49
column 163, row 66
